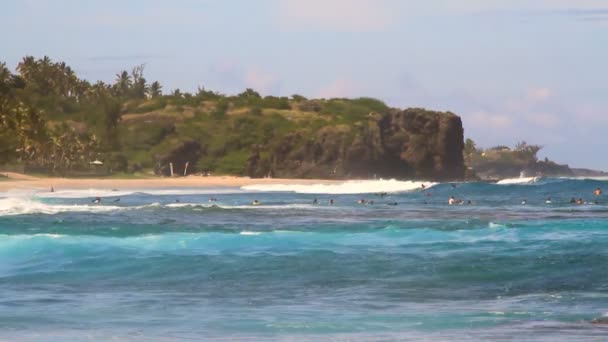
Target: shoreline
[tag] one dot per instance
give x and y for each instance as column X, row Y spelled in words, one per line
column 18, row 181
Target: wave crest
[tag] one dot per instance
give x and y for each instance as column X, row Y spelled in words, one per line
column 348, row 187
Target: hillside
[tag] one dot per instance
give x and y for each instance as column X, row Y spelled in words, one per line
column 55, row 123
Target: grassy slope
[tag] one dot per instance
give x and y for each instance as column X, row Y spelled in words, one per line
column 228, row 127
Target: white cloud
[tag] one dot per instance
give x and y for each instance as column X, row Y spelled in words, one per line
column 544, row 120
column 539, row 94
column 489, row 121
column 339, row 88
column 263, row 82
column 339, row 15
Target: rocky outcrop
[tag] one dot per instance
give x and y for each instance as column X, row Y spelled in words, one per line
column 407, row 144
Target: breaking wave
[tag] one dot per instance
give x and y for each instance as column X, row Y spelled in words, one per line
column 520, row 180
column 348, row 187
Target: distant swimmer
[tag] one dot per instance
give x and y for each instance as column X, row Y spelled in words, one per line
column 97, row 200
column 524, row 202
column 469, row 202
column 255, row 202
column 573, row 200
column 361, row 201
column 212, row 199
column 548, row 200
column 451, row 200
column 331, row 202
column 580, row 201
column 597, row 191
column 177, row 201
column 315, row 201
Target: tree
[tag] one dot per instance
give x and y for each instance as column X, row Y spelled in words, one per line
column 155, row 89
column 470, row 147
column 139, row 87
column 249, row 94
column 123, row 84
column 527, row 150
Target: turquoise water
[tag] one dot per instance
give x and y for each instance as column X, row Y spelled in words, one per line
column 150, row 268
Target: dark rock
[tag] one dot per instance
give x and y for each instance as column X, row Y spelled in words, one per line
column 412, row 143
column 600, row 320
column 180, row 154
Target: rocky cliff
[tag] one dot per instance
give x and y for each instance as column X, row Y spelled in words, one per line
column 404, row 144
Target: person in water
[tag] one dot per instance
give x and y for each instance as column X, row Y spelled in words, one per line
column 255, row 202
column 361, row 201
column 580, row 201
column 573, row 200
column 548, row 201
column 331, row 202
column 315, row 201
column 97, row 200
column 597, row 191
column 451, row 200
column 524, row 202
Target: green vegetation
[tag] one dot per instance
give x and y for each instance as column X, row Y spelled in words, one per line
column 53, row 122
column 503, row 161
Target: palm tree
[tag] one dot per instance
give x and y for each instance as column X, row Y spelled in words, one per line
column 123, row 83
column 155, row 89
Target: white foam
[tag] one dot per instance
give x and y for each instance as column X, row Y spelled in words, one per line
column 22, row 206
column 520, row 180
column 92, row 192
column 250, row 233
column 348, row 187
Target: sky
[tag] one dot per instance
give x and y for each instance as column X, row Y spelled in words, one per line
column 533, row 70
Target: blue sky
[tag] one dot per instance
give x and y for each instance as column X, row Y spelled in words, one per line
column 532, row 70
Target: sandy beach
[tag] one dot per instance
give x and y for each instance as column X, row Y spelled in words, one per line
column 21, row 181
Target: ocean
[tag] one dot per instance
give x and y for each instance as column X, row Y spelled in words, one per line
column 171, row 264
